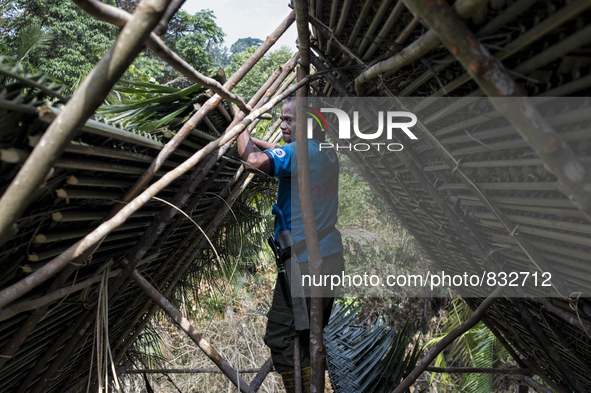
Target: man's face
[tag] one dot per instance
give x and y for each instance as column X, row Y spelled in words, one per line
column 287, row 122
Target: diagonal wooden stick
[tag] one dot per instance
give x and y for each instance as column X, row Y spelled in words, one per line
column 184, row 324
column 257, row 381
column 447, row 340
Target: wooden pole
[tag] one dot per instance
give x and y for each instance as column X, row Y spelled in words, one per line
column 184, row 324
column 306, row 204
column 301, row 10
column 255, row 384
column 83, row 103
column 170, row 12
column 479, row 370
column 194, row 371
column 447, row 340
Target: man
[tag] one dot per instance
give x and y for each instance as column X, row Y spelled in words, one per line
column 280, row 162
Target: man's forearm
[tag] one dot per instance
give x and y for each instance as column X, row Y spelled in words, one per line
column 252, row 154
column 264, row 145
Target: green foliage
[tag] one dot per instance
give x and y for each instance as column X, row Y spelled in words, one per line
column 373, row 241
column 79, row 40
column 32, row 40
column 220, row 55
column 58, row 38
column 260, row 72
column 477, row 347
column 189, row 36
column 244, row 43
column 150, row 107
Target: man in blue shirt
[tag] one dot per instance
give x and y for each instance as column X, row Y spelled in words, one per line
column 280, row 162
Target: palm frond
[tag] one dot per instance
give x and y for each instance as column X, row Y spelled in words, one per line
column 366, row 356
column 33, row 38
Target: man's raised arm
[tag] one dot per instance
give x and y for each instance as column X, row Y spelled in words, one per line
column 250, row 151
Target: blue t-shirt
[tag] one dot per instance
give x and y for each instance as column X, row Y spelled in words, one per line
column 324, row 181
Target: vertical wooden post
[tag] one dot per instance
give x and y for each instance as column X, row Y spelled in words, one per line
column 310, row 232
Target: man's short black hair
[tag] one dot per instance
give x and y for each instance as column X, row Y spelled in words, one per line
column 290, row 97
column 317, row 134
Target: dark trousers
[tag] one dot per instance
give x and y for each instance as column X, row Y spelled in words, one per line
column 281, row 333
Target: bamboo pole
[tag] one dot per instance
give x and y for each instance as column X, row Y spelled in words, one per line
column 184, row 324
column 83, row 103
column 479, row 370
column 262, row 374
column 373, row 26
column 340, row 25
column 190, row 371
column 49, row 113
column 119, row 17
column 301, row 10
column 88, row 150
column 307, row 207
column 384, row 31
column 360, row 22
column 23, row 286
column 447, row 340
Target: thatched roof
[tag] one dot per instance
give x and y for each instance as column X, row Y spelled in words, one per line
column 545, row 44
column 97, row 168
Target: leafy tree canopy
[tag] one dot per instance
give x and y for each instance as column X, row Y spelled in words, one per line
column 58, row 38
column 244, row 43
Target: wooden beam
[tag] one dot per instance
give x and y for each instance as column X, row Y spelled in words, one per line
column 184, row 324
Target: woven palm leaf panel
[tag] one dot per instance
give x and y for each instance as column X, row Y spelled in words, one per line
column 545, row 45
column 96, row 170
